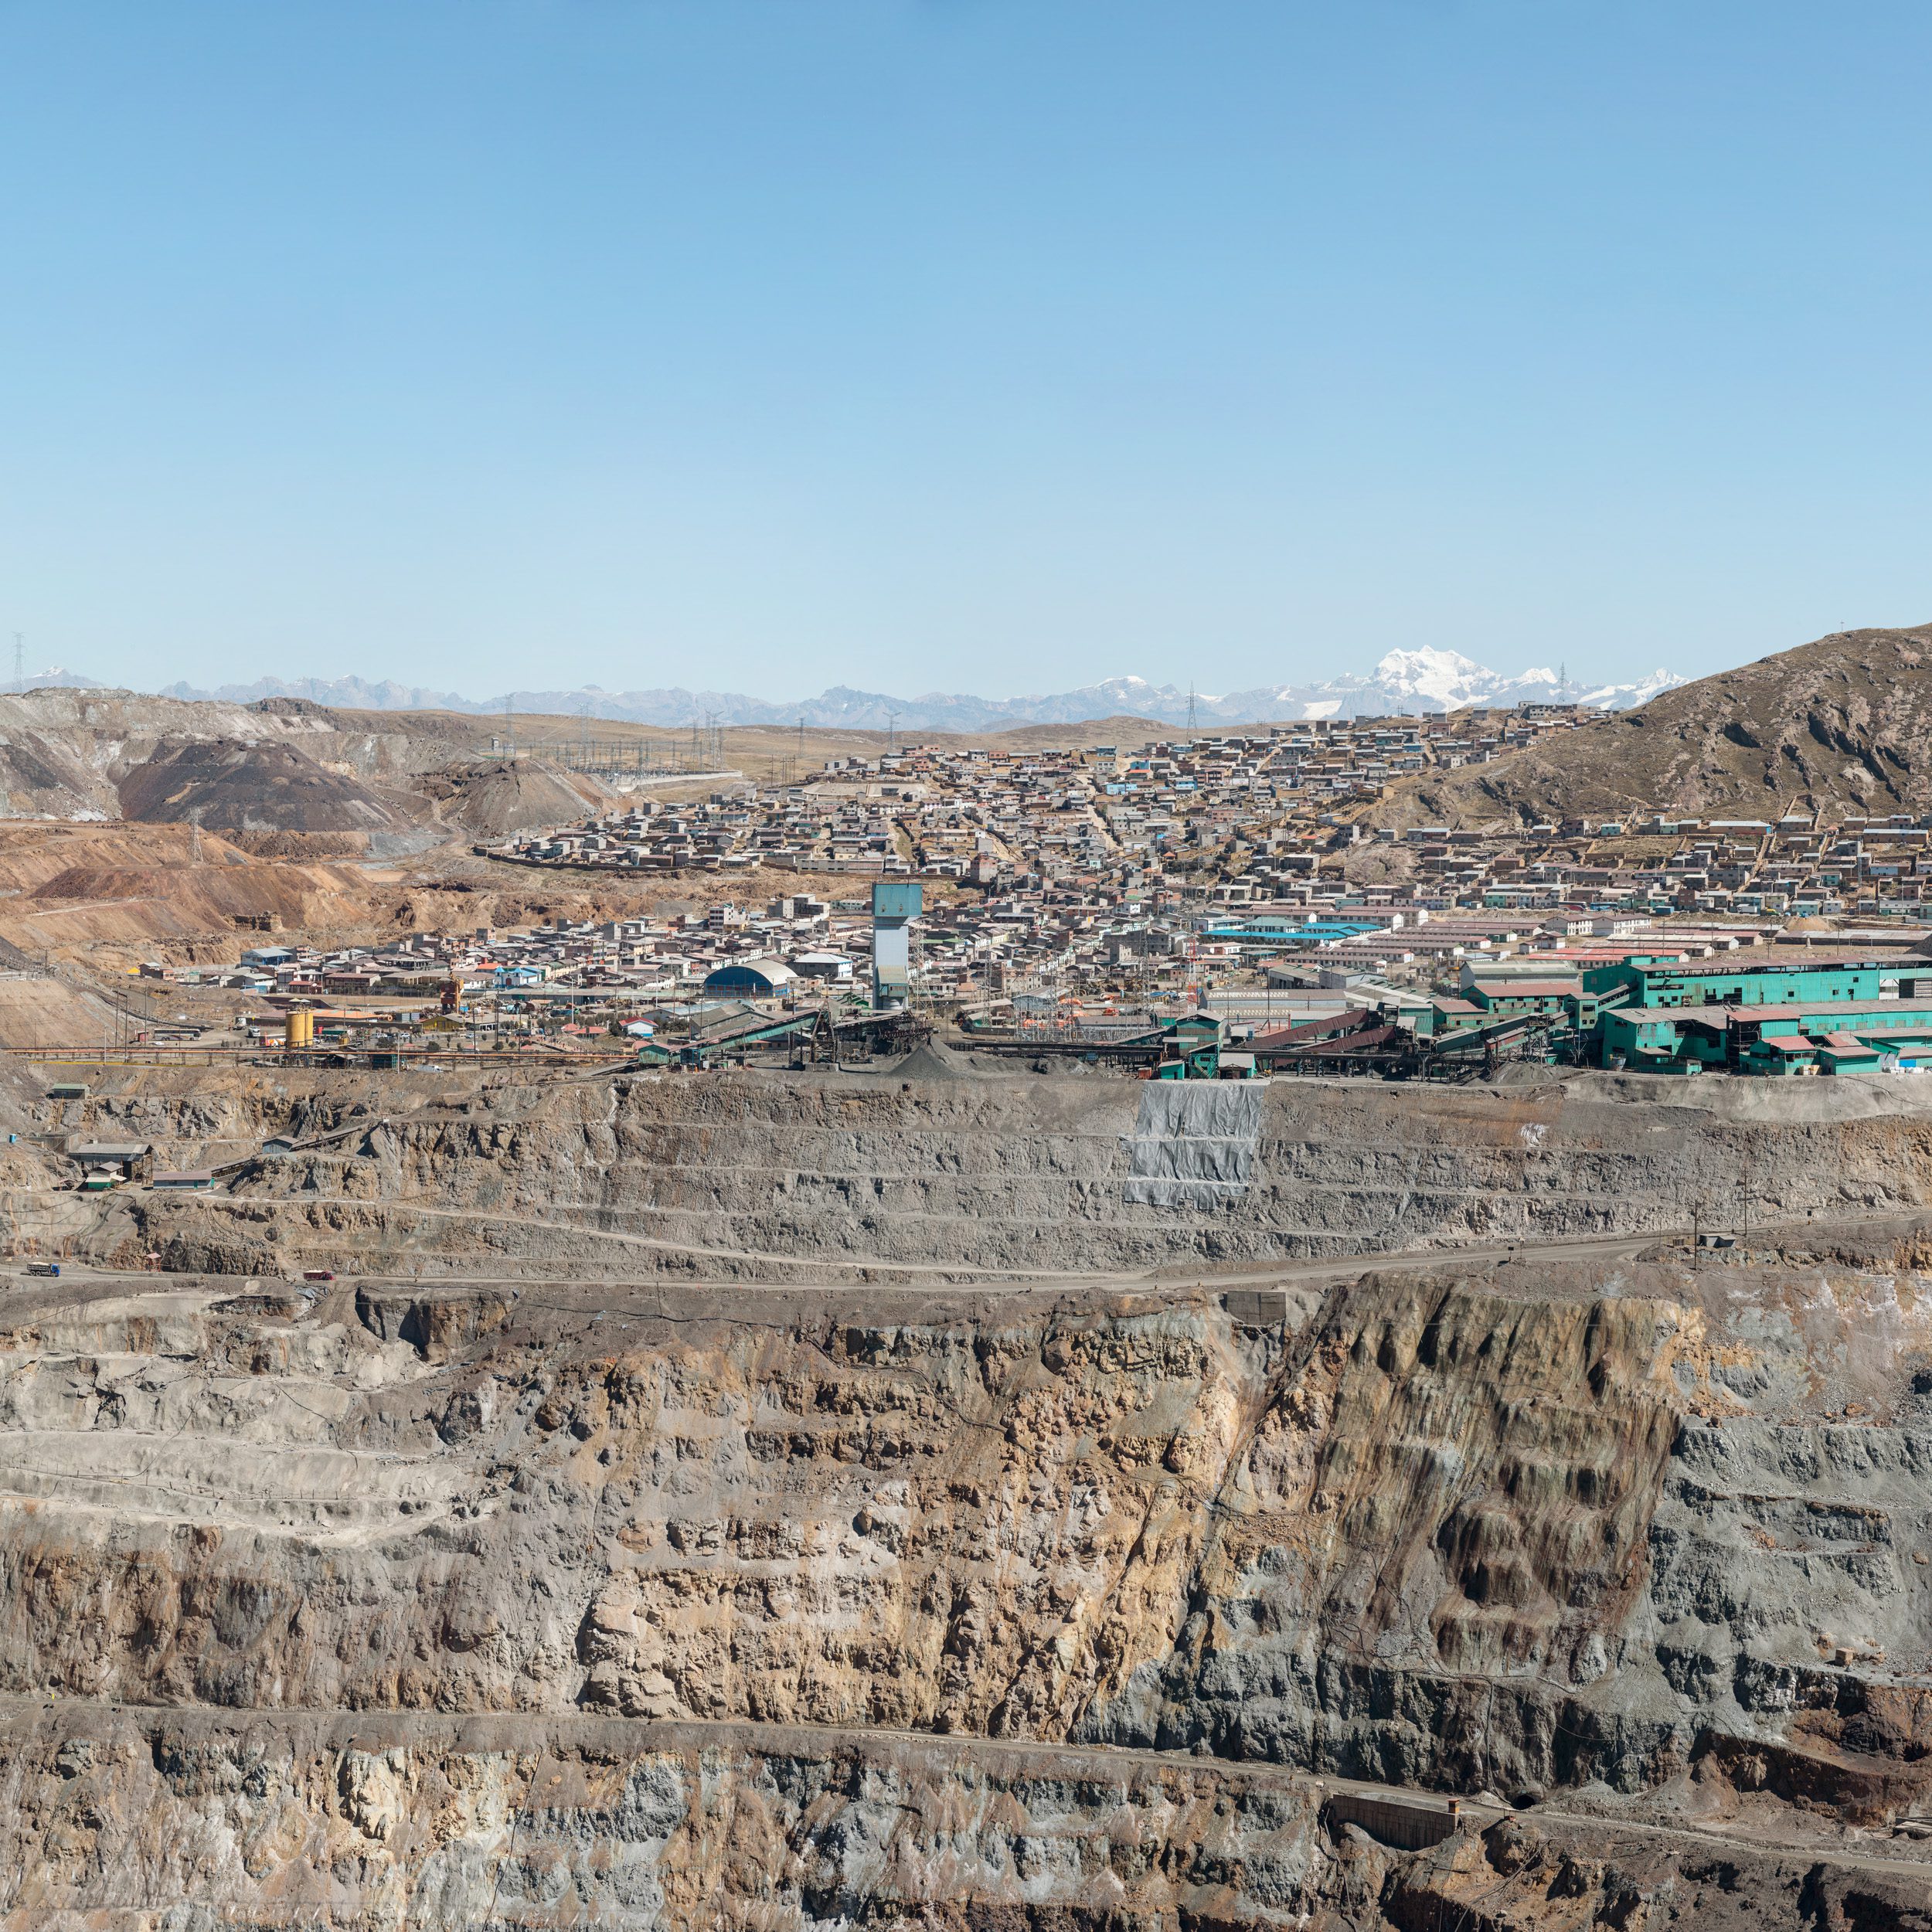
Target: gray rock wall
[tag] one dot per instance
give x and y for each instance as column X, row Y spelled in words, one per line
column 770, row 1177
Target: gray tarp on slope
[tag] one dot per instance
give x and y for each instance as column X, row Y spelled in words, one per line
column 1194, row 1143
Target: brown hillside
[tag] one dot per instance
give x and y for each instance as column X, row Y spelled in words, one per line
column 238, row 786
column 1844, row 724
column 499, row 795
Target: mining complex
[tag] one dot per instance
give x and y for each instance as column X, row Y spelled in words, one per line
column 1299, row 1328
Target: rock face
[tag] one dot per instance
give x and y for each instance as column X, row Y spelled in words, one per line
column 395, row 1820
column 771, row 1176
column 549, row 1593
column 248, row 785
column 1440, row 1530
column 1525, row 1529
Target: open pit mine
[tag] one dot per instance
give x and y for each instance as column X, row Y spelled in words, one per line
column 929, row 1498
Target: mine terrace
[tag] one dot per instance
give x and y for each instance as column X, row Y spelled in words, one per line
column 1138, row 1336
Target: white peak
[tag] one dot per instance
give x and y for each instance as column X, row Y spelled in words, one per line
column 1446, row 677
column 1427, row 659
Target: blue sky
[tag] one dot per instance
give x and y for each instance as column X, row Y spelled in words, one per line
column 964, row 344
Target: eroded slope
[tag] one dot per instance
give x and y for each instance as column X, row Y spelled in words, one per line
column 819, row 1177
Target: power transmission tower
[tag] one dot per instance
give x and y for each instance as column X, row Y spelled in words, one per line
column 1190, row 708
column 509, row 725
column 892, row 732
column 194, row 834
column 19, row 662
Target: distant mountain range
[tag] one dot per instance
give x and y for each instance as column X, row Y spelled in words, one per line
column 1404, row 681
column 54, row 678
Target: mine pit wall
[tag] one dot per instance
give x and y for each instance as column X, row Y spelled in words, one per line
column 383, row 1820
column 770, row 1177
column 1522, row 1529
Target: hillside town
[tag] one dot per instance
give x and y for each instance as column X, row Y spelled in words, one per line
column 1084, row 904
column 1287, row 818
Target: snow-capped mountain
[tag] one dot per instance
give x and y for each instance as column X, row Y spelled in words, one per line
column 54, row 679
column 1403, row 682
column 1408, row 681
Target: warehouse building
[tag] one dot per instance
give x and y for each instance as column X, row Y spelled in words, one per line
column 1841, row 1033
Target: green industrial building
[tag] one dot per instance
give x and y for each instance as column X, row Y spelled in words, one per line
column 1675, row 982
column 1828, row 1017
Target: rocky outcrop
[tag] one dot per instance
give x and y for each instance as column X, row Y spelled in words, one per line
column 1433, row 1529
column 768, row 1177
column 767, row 1577
column 386, row 1820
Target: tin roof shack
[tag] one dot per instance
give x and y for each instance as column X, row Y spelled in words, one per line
column 1840, row 1054
column 1192, row 1049
column 106, row 1164
column 1445, row 1014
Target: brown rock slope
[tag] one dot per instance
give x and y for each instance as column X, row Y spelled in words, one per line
column 1844, row 724
column 65, row 888
column 385, row 1820
column 242, row 785
column 601, row 1582
column 1526, row 1527
column 495, row 796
